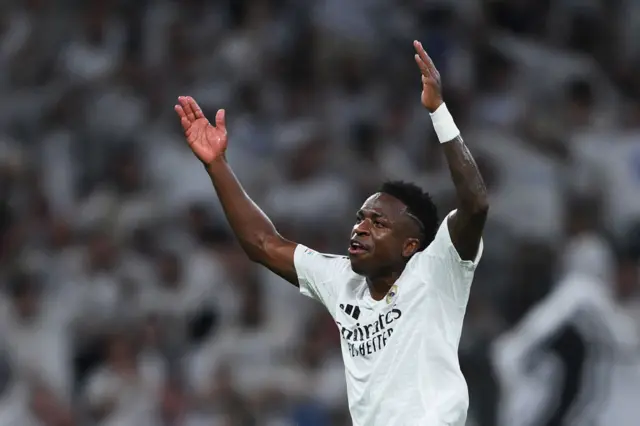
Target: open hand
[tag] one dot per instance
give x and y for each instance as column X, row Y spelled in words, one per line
column 431, row 87
column 207, row 142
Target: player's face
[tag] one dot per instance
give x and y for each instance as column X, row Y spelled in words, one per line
column 379, row 237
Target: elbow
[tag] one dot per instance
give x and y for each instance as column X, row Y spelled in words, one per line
column 253, row 254
column 481, row 206
column 478, row 207
column 481, row 210
column 257, row 247
column 254, row 250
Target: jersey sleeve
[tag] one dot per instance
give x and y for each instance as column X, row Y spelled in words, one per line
column 319, row 275
column 441, row 262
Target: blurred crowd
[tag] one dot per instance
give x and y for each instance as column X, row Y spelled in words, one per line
column 124, row 298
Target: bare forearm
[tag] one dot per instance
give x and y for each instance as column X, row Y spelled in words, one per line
column 249, row 223
column 467, row 224
column 469, row 185
column 255, row 232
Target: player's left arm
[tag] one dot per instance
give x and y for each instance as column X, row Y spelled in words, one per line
column 467, row 223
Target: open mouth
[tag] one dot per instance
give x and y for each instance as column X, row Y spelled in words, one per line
column 355, row 247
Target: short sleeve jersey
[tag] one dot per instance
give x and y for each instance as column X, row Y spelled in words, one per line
column 400, row 353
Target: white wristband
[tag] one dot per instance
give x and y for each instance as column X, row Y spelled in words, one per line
column 444, row 125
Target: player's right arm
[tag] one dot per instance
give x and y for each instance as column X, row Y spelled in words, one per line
column 253, row 229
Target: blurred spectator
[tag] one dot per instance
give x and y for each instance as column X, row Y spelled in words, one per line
column 37, row 336
column 126, row 390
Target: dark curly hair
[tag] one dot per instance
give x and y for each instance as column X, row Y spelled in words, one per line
column 419, row 205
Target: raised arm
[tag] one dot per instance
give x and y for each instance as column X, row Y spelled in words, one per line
column 253, row 229
column 466, row 225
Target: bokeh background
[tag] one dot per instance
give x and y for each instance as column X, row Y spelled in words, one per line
column 125, row 300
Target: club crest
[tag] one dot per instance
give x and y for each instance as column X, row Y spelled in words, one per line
column 392, row 294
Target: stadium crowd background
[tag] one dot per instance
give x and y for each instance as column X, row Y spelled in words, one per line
column 125, row 300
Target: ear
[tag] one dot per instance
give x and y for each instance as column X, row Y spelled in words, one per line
column 411, row 246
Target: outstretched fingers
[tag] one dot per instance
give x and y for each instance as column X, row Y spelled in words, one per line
column 186, row 107
column 423, row 67
column 220, row 120
column 178, row 109
column 423, row 60
column 189, row 112
column 184, row 121
column 197, row 111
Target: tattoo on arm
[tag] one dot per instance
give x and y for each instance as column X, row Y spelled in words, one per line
column 467, row 224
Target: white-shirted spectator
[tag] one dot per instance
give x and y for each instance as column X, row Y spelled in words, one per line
column 125, row 391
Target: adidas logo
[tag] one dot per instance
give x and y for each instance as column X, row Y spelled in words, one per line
column 351, row 310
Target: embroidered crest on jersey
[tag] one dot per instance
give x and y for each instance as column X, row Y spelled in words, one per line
column 392, row 294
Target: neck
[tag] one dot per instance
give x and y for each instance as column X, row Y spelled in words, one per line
column 380, row 285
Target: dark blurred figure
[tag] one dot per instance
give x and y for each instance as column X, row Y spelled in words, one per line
column 523, row 17
column 25, row 293
column 175, row 403
column 181, row 312
column 532, row 273
column 128, row 386
column 580, row 102
column 49, row 410
column 225, row 402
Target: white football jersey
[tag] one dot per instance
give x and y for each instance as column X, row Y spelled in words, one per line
column 400, row 353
